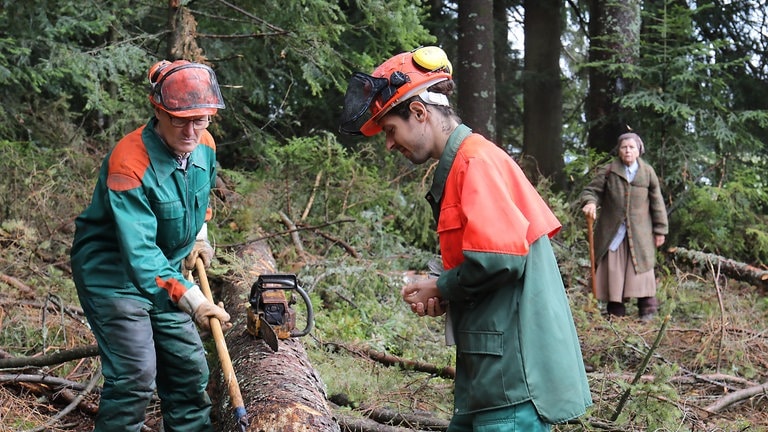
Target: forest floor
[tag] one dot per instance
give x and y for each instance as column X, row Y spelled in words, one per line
column 708, row 345
column 700, row 365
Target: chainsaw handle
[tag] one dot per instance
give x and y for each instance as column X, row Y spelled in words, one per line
column 310, row 313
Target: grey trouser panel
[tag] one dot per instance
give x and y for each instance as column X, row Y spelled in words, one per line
column 142, row 350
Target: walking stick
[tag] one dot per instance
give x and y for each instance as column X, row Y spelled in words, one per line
column 221, row 348
column 591, row 237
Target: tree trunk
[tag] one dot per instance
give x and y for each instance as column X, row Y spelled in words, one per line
column 614, row 39
column 477, row 81
column 507, row 72
column 542, row 92
column 183, row 30
column 281, row 390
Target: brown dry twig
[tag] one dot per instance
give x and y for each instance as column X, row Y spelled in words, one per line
column 350, row 250
column 24, row 289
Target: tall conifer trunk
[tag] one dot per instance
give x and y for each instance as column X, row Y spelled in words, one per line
column 614, row 34
column 542, row 94
column 475, row 69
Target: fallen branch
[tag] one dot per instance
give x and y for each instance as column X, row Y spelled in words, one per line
column 390, row 360
column 50, row 359
column 350, row 250
column 737, row 396
column 717, row 379
column 737, row 270
column 288, row 231
column 52, row 381
column 74, row 403
column 349, row 423
column 23, row 288
column 412, row 421
column 73, row 311
column 294, row 232
column 312, row 196
column 355, row 424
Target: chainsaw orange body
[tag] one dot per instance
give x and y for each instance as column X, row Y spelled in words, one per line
column 270, row 315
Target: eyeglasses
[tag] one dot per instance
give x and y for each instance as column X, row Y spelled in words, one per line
column 197, row 124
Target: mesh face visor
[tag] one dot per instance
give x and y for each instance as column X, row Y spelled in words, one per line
column 362, row 90
column 188, row 87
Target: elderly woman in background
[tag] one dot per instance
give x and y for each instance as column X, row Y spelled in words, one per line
column 632, row 224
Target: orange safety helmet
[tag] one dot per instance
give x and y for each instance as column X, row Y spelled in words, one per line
column 370, row 97
column 184, row 89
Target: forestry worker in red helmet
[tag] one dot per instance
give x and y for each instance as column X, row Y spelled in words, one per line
column 518, row 359
column 145, row 226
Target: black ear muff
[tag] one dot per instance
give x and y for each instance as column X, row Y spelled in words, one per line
column 156, row 74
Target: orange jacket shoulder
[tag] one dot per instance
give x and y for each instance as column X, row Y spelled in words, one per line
column 207, row 139
column 128, row 162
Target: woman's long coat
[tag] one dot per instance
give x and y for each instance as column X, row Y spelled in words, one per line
column 639, row 203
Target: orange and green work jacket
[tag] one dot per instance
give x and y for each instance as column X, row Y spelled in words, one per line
column 142, row 221
column 514, row 332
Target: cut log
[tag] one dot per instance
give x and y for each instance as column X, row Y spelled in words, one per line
column 281, row 390
column 734, row 269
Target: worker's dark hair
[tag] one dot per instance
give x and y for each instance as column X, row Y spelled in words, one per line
column 403, row 110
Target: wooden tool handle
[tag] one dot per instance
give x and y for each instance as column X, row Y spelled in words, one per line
column 221, row 345
column 591, row 238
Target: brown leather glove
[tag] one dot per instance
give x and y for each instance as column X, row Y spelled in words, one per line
column 201, row 249
column 202, row 310
column 208, row 310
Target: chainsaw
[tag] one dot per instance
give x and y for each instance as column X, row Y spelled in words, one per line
column 270, row 316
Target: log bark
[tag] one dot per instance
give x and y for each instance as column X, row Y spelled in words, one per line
column 734, row 269
column 281, row 390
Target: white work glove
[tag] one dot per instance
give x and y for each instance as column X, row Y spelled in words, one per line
column 202, row 310
column 202, row 249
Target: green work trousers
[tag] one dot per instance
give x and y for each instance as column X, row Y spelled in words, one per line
column 144, row 349
column 516, row 418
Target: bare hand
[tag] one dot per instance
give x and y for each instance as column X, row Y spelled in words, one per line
column 590, row 209
column 423, row 297
column 659, row 239
column 434, row 307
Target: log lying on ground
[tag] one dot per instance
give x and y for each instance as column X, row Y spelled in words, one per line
column 737, row 270
column 281, row 390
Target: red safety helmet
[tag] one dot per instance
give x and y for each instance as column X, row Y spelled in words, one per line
column 184, row 89
column 370, row 97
